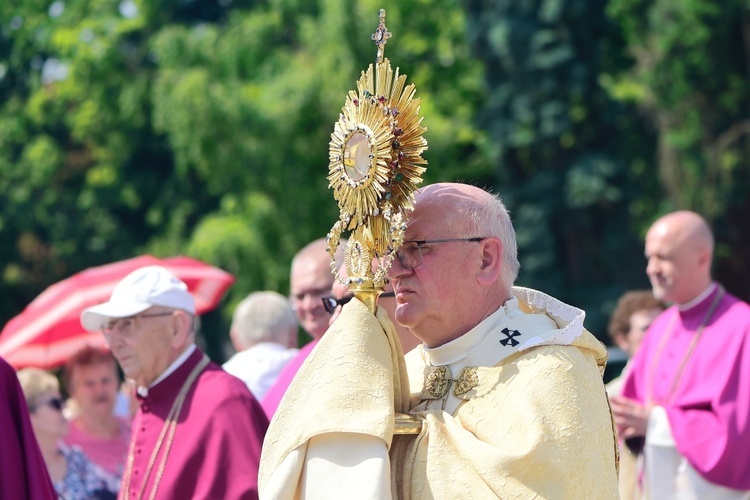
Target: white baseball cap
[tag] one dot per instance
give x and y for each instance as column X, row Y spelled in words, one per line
column 143, row 288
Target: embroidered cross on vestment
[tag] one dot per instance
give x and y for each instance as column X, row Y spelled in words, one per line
column 509, row 334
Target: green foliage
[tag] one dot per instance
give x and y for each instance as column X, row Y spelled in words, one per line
column 556, row 147
column 202, row 128
column 199, row 128
column 690, row 68
column 690, row 60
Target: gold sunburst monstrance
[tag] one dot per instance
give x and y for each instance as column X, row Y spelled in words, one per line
column 375, row 164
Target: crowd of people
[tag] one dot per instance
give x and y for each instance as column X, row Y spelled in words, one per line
column 503, row 384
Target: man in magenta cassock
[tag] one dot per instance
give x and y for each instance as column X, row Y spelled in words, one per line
column 23, row 473
column 688, row 393
column 199, row 430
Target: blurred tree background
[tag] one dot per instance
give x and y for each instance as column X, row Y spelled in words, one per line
column 200, row 127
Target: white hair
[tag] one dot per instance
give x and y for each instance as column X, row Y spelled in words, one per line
column 264, row 317
column 36, row 383
column 482, row 218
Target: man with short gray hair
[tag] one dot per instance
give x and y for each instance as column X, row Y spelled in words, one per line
column 264, row 333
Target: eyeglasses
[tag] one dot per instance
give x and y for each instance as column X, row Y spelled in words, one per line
column 127, row 326
column 54, row 403
column 409, row 253
column 330, row 304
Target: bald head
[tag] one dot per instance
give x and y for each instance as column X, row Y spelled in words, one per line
column 688, row 228
column 679, row 249
column 310, row 280
column 315, row 251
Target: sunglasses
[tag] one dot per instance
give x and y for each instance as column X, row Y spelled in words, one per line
column 54, row 403
column 330, row 304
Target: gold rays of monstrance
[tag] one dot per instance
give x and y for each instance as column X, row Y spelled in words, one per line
column 375, row 165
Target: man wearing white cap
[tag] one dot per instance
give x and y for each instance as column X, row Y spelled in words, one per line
column 198, row 431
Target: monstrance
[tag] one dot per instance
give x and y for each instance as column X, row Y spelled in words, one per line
column 375, row 165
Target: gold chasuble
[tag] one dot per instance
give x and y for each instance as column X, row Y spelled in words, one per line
column 533, row 421
column 354, row 381
column 525, row 417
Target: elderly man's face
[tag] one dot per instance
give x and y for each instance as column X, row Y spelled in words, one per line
column 141, row 344
column 94, row 387
column 430, row 298
column 311, row 280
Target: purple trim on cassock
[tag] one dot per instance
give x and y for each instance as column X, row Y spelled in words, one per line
column 216, row 448
column 273, row 397
column 709, row 412
column 23, row 473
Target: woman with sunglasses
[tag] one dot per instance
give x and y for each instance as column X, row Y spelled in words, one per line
column 73, row 475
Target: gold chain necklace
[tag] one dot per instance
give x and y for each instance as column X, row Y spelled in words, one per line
column 170, row 426
column 688, row 354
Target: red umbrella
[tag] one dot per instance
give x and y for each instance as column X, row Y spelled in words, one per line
column 48, row 331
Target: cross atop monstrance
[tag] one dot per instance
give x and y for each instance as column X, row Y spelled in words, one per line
column 381, row 36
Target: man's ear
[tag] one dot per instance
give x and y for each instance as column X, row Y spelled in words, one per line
column 491, row 260
column 181, row 329
column 233, row 337
column 704, row 259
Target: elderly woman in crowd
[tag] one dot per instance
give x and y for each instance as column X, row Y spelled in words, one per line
column 92, row 382
column 73, row 475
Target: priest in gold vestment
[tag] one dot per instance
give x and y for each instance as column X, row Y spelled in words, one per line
column 505, row 390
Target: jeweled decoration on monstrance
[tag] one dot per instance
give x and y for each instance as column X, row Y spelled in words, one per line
column 375, row 165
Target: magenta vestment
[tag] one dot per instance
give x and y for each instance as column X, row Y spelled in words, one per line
column 216, row 448
column 23, row 473
column 273, row 397
column 709, row 412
